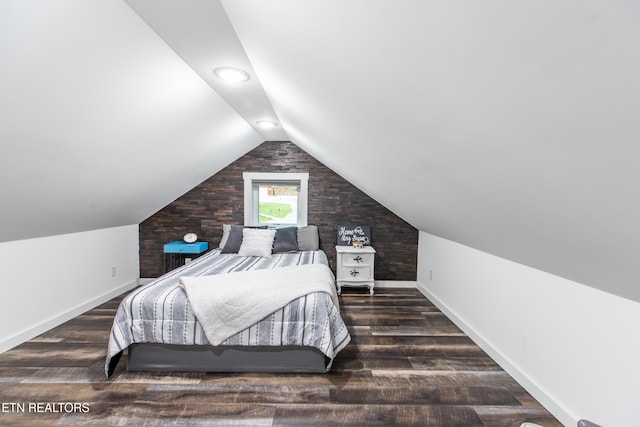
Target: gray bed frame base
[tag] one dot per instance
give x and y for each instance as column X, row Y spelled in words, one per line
column 207, row 358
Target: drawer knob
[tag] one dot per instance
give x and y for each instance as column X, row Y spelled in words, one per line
column 358, row 259
column 354, row 273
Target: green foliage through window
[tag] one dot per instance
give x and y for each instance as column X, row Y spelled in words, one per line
column 271, row 210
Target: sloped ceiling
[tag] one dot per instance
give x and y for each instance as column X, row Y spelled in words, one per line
column 510, row 127
column 101, row 124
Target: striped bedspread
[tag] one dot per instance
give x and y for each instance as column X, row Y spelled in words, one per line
column 160, row 311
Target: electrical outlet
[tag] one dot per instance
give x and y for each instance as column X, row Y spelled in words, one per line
column 430, row 274
column 113, row 271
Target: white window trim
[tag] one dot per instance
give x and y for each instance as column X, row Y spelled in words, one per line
column 250, row 199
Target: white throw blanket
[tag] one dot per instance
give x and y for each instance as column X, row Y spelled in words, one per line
column 226, row 304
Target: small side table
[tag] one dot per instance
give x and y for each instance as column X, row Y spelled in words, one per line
column 355, row 267
column 180, row 253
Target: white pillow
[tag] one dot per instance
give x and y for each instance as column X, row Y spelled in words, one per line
column 257, row 242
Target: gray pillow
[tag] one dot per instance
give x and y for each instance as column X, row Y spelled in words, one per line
column 308, row 238
column 234, row 240
column 225, row 235
column 286, row 240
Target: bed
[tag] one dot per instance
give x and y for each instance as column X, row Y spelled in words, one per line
column 158, row 326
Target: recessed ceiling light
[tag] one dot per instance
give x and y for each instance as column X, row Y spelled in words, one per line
column 266, row 124
column 230, row 74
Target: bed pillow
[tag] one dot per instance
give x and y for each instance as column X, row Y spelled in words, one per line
column 234, row 240
column 308, row 238
column 286, row 240
column 225, row 235
column 257, row 242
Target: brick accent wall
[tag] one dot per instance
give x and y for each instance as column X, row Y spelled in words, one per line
column 332, row 201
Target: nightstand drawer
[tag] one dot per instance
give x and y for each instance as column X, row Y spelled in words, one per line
column 185, row 248
column 354, row 273
column 356, row 260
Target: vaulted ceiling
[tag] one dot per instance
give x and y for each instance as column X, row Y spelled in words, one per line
column 510, row 127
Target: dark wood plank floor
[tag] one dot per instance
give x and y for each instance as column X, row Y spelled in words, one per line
column 407, row 364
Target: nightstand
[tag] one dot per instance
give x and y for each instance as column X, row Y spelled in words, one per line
column 355, row 267
column 180, row 253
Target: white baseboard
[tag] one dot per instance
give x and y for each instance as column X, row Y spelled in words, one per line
column 412, row 284
column 396, row 284
column 505, row 362
column 52, row 322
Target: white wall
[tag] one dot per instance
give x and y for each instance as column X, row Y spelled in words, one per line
column 575, row 348
column 47, row 281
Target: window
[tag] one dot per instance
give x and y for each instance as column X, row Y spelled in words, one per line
column 275, row 198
